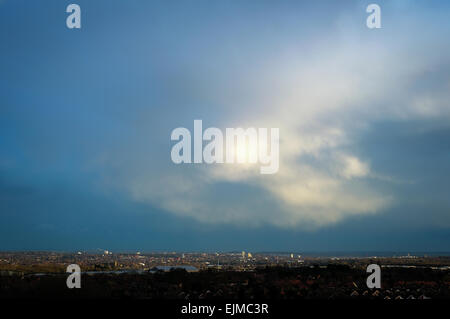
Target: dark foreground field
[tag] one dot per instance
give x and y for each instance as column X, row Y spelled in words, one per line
column 333, row 282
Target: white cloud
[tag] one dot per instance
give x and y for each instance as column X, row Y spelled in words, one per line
column 353, row 167
column 319, row 102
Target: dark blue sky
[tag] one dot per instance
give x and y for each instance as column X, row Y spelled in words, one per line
column 86, row 117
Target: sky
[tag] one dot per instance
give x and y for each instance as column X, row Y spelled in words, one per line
column 86, row 117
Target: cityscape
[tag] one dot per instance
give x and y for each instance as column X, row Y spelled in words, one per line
column 196, row 275
column 199, row 157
